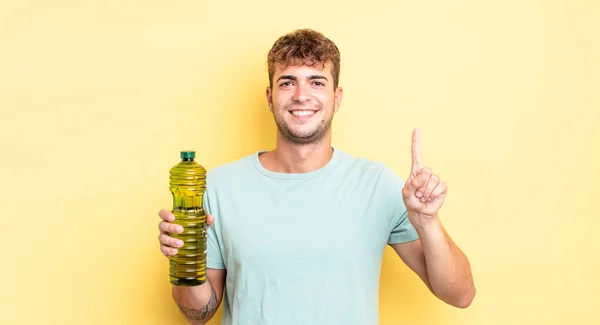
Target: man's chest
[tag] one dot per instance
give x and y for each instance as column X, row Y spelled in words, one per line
column 284, row 228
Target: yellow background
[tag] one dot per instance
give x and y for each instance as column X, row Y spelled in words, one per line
column 98, row 97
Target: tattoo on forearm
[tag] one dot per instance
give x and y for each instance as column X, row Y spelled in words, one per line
column 203, row 313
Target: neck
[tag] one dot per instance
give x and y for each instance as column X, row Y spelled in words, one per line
column 295, row 158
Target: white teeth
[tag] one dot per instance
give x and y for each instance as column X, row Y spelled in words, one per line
column 303, row 113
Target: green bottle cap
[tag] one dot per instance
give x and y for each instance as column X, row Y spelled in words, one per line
column 188, row 154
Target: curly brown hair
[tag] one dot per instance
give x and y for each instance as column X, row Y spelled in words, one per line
column 304, row 47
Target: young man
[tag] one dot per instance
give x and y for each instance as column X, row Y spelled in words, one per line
column 298, row 233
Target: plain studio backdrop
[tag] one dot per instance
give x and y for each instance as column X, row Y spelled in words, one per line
column 97, row 98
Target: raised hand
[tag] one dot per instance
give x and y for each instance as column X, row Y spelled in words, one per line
column 424, row 192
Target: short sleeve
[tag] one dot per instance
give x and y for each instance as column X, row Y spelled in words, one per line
column 214, row 256
column 401, row 230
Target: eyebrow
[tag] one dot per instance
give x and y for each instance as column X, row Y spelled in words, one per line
column 311, row 77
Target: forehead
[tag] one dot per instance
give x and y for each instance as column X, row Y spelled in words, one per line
column 303, row 70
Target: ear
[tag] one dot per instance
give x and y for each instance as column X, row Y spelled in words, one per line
column 269, row 98
column 337, row 100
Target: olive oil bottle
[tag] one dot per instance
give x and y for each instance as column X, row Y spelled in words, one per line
column 188, row 185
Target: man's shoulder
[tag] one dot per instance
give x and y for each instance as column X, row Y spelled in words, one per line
column 381, row 174
column 232, row 170
column 363, row 164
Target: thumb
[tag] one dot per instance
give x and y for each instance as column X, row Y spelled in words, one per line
column 209, row 220
column 416, row 182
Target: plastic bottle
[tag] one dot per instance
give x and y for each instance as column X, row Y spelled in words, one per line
column 188, row 185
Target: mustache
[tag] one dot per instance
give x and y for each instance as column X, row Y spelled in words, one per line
column 292, row 107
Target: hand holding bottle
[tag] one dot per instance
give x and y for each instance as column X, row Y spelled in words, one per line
column 168, row 244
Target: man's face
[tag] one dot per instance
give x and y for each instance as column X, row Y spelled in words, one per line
column 303, row 102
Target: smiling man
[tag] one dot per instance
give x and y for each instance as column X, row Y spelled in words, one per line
column 298, row 232
column 302, row 101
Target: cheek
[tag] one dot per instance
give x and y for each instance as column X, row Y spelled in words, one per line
column 324, row 99
column 329, row 103
column 281, row 99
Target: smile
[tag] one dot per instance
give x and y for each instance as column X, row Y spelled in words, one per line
column 303, row 113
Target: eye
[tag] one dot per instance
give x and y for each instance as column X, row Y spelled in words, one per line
column 319, row 83
column 285, row 84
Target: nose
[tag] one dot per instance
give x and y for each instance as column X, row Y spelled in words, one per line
column 301, row 93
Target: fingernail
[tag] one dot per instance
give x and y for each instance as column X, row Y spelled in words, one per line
column 174, row 251
column 423, row 199
column 418, row 194
column 179, row 243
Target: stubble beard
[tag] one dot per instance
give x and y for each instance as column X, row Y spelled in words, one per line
column 296, row 138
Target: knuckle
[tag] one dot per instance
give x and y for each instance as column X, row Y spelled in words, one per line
column 163, row 239
column 164, row 214
column 175, row 242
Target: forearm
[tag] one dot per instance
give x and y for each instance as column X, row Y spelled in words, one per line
column 448, row 269
column 198, row 303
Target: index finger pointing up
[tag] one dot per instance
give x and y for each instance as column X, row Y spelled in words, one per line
column 416, row 149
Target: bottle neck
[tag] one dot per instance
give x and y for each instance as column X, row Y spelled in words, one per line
column 187, row 159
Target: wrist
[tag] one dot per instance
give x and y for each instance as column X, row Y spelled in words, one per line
column 191, row 296
column 424, row 223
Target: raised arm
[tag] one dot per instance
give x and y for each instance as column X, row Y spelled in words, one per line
column 434, row 256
